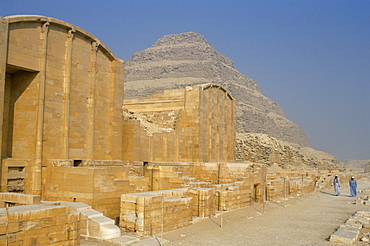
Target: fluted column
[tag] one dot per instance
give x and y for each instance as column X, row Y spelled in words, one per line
column 3, row 55
column 67, row 91
column 91, row 101
column 35, row 184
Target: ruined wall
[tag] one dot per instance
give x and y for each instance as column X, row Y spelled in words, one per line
column 261, row 148
column 152, row 212
column 17, row 175
column 100, row 187
column 284, row 186
column 61, row 90
column 193, row 124
column 184, row 192
column 29, row 225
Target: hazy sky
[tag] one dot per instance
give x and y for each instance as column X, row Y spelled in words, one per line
column 310, row 56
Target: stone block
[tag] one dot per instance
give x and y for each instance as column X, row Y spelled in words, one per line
column 344, row 236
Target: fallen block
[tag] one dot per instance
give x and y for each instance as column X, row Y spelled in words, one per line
column 344, row 236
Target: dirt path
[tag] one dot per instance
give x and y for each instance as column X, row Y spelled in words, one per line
column 301, row 220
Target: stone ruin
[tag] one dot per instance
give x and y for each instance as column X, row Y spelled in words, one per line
column 74, row 163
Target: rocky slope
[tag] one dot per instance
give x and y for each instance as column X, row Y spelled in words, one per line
column 176, row 61
column 257, row 147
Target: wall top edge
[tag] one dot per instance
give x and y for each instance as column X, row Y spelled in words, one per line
column 215, row 85
column 42, row 19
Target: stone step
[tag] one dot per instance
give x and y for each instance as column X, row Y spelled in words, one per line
column 103, row 220
column 76, row 206
column 91, row 213
column 109, row 231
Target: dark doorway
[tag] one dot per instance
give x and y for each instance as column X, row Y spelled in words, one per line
column 18, row 110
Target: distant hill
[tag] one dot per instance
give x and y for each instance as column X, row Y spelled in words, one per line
column 355, row 164
column 180, row 60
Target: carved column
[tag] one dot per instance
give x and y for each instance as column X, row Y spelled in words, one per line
column 91, row 101
column 115, row 109
column 35, row 184
column 3, row 57
column 67, row 91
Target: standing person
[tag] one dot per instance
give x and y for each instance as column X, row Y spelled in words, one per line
column 353, row 186
column 336, row 184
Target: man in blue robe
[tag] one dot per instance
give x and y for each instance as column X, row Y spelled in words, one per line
column 353, row 186
column 336, row 184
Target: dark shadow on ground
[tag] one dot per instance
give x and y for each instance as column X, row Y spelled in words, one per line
column 214, row 221
column 327, row 193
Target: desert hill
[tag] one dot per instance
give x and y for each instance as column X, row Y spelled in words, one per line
column 355, row 164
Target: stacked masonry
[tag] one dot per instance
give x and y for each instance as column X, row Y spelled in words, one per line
column 281, row 187
column 101, row 187
column 284, row 184
column 153, row 212
column 233, row 196
column 50, row 223
column 203, row 202
column 349, row 232
column 94, row 223
column 39, row 225
column 61, row 96
column 193, row 124
column 166, row 177
column 16, row 199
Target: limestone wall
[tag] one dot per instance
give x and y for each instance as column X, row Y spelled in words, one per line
column 16, row 199
column 282, row 187
column 213, row 173
column 193, row 124
column 164, row 210
column 29, row 225
column 99, row 187
column 182, row 191
column 152, row 212
column 61, row 90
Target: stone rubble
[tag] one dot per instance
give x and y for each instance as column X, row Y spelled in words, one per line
column 349, row 232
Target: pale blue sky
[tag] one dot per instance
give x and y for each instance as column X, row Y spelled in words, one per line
column 310, row 56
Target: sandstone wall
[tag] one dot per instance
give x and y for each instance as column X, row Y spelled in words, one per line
column 29, row 225
column 177, row 197
column 192, row 124
column 100, row 187
column 62, row 93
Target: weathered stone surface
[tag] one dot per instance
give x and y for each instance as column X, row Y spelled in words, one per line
column 344, row 236
column 256, row 147
column 176, row 61
column 61, row 97
column 191, row 124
